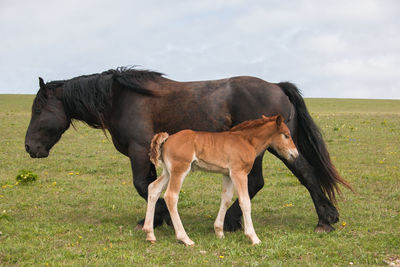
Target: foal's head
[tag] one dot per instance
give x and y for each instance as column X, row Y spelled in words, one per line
column 281, row 140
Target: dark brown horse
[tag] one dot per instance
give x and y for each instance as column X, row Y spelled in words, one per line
column 133, row 105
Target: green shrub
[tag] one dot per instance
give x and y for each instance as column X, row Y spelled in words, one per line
column 25, row 176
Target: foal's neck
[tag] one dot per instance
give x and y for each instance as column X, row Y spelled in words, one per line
column 259, row 137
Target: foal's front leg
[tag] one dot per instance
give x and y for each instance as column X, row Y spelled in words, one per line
column 240, row 180
column 226, row 198
column 154, row 191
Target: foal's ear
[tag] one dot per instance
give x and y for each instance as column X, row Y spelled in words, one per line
column 41, row 83
column 262, row 116
column 279, row 120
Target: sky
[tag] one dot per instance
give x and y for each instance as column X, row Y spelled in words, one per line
column 339, row 49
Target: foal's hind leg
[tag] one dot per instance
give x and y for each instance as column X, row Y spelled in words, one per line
column 177, row 175
column 226, row 198
column 240, row 181
column 154, row 191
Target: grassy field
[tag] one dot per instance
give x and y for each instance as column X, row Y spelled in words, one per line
column 83, row 209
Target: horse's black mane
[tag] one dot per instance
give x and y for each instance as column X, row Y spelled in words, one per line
column 89, row 95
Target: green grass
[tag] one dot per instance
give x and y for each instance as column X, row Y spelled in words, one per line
column 83, row 208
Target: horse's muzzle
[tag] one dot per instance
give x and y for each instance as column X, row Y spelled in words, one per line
column 39, row 153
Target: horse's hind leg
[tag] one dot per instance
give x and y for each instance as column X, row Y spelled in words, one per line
column 154, row 191
column 240, row 181
column 177, row 175
column 226, row 198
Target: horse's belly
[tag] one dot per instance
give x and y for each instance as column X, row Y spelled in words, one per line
column 209, row 167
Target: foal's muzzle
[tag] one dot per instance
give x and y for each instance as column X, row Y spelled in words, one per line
column 293, row 154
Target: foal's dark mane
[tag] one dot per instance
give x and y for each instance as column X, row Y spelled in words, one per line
column 251, row 124
column 91, row 94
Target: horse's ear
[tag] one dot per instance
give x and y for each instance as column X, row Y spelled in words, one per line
column 262, row 116
column 279, row 120
column 41, row 83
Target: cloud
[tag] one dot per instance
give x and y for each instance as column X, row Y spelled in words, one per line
column 328, row 48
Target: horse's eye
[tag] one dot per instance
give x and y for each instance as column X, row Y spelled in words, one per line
column 286, row 136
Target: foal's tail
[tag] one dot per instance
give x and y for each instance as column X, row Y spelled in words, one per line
column 155, row 148
column 312, row 146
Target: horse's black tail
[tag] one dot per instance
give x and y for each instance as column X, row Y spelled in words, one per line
column 312, row 146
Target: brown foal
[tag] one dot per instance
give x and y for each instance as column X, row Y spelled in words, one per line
column 231, row 153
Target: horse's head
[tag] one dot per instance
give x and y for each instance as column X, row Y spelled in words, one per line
column 282, row 141
column 48, row 122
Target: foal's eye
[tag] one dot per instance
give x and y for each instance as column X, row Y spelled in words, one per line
column 286, row 136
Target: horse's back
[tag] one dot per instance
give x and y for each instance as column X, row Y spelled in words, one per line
column 245, row 98
column 217, row 105
column 253, row 97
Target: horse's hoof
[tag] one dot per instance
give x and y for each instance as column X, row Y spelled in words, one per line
column 232, row 225
column 139, row 227
column 167, row 219
column 323, row 228
column 157, row 222
column 328, row 212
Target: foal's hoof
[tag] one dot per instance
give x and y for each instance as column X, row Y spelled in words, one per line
column 220, row 234
column 151, row 241
column 150, row 237
column 323, row 228
column 187, row 243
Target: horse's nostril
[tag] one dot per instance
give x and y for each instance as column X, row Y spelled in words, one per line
column 27, row 148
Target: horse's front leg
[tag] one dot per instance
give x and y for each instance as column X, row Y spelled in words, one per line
column 326, row 211
column 143, row 174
